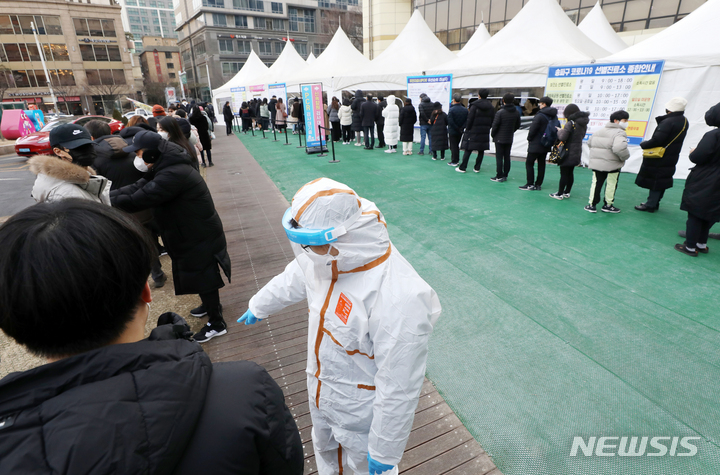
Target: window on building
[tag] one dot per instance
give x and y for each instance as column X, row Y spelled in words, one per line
column 132, row 3
column 214, row 3
column 135, row 28
column 168, row 55
column 86, row 51
column 170, row 65
column 66, row 77
column 231, row 68
column 301, row 20
column 318, row 49
column 241, row 21
column 3, row 58
column 199, row 47
column 185, row 55
column 301, row 49
column 278, row 46
column 144, row 20
column 114, row 53
column 81, row 27
column 118, row 76
column 6, row 27
column 106, row 76
column 219, row 19
column 260, row 23
column 108, row 27
column 226, row 46
column 101, row 53
column 156, row 21
column 171, row 75
column 265, row 48
column 12, row 51
column 244, row 47
column 22, row 78
column 33, row 52
column 254, row 5
column 25, row 21
column 93, row 77
column 59, row 52
column 276, row 7
column 95, row 26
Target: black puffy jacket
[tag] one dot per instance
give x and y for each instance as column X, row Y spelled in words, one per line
column 537, row 129
column 439, row 131
column 151, row 407
column 356, row 125
column 407, row 120
column 369, row 112
column 657, row 173
column 505, row 123
column 456, row 117
column 425, row 109
column 129, row 132
column 701, row 196
column 114, row 164
column 573, row 134
column 189, row 225
column 479, row 123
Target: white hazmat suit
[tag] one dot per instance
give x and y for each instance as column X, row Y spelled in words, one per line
column 370, row 319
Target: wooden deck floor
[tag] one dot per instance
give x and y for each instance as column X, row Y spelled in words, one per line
column 250, row 206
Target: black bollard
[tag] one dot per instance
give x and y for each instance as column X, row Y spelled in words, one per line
column 320, row 131
column 274, row 133
column 300, row 134
column 286, row 137
column 332, row 144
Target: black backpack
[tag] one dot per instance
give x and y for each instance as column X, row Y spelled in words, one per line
column 550, row 135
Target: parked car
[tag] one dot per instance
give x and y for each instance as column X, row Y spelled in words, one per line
column 38, row 143
column 137, row 111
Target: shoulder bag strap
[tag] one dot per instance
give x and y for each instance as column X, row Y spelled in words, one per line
column 678, row 135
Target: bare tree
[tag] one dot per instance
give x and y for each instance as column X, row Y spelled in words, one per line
column 155, row 93
column 4, row 80
column 109, row 94
column 63, row 91
column 350, row 21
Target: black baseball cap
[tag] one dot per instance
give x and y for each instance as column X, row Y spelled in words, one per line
column 69, row 136
column 146, row 140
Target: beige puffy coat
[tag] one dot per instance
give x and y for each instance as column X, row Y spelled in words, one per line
column 608, row 148
column 58, row 179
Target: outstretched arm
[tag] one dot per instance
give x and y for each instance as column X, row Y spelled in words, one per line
column 282, row 291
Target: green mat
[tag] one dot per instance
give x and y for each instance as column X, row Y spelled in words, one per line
column 556, row 323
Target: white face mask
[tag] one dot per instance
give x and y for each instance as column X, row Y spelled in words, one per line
column 623, row 125
column 163, row 134
column 140, row 165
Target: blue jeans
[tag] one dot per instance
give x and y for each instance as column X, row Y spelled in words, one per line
column 425, row 130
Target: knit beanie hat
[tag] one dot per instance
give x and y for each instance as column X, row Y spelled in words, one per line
column 158, row 110
column 676, row 104
column 570, row 109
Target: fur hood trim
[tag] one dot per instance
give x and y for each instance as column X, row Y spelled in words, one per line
column 55, row 167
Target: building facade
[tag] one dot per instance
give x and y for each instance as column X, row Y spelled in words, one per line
column 216, row 36
column 148, row 18
column 84, row 48
column 160, row 60
column 454, row 21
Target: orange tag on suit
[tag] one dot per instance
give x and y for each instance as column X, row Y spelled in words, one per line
column 343, row 308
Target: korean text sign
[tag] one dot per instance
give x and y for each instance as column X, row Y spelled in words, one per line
column 314, row 114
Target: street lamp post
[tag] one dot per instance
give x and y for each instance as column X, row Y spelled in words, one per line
column 42, row 60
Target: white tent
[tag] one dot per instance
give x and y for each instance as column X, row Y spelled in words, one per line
column 597, row 27
column 287, row 64
column 480, row 36
column 311, row 59
column 540, row 35
column 415, row 50
column 251, row 70
column 691, row 52
column 339, row 59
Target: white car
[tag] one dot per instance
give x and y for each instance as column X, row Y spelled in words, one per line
column 137, row 111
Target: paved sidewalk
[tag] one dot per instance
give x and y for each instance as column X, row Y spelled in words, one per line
column 250, row 206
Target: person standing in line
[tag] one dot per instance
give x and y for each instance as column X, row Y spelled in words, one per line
column 481, row 115
column 425, row 109
column 380, row 122
column 572, row 135
column 334, row 118
column 701, row 196
column 201, row 124
column 280, row 115
column 406, row 121
column 506, row 122
column 345, row 115
column 169, row 129
column 191, row 229
column 292, row 118
column 264, row 114
column 439, row 131
column 368, row 115
column 537, row 152
column 357, row 125
column 391, row 112
column 228, row 116
column 456, row 118
column 656, row 174
column 608, row 152
column 273, row 110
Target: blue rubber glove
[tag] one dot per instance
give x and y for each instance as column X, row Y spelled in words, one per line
column 376, row 467
column 248, row 318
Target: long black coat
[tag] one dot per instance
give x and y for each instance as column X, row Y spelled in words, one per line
column 479, row 123
column 152, row 407
column 355, row 107
column 190, row 227
column 505, row 123
column 228, row 113
column 407, row 120
column 203, row 130
column 538, row 127
column 114, row 164
column 656, row 174
column 369, row 112
column 439, row 131
column 457, row 118
column 701, row 196
column 573, row 134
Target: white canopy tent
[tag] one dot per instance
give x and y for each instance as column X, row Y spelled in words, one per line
column 597, row 27
column 478, row 38
column 516, row 58
column 691, row 52
column 339, row 59
column 311, row 59
column 415, row 50
column 251, row 70
column 288, row 63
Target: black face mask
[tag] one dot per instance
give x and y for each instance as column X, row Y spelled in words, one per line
column 83, row 155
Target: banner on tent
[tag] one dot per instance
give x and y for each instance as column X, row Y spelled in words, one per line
column 438, row 89
column 280, row 91
column 312, row 102
column 257, row 91
column 602, row 89
column 237, row 97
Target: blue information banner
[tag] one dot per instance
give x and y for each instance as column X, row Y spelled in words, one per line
column 602, row 89
column 314, row 114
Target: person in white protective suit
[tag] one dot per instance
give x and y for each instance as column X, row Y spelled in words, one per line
column 371, row 316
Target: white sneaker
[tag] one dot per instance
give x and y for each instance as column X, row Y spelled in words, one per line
column 459, row 171
column 393, row 150
column 359, row 144
column 389, row 150
column 566, row 195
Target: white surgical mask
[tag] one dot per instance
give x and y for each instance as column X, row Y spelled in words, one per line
column 163, row 134
column 623, row 125
column 140, row 165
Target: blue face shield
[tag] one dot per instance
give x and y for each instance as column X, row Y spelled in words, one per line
column 315, row 237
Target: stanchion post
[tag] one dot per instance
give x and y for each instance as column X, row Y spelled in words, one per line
column 286, row 137
column 332, row 144
column 320, row 131
column 300, row 134
column 274, row 134
column 262, row 128
column 252, row 129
